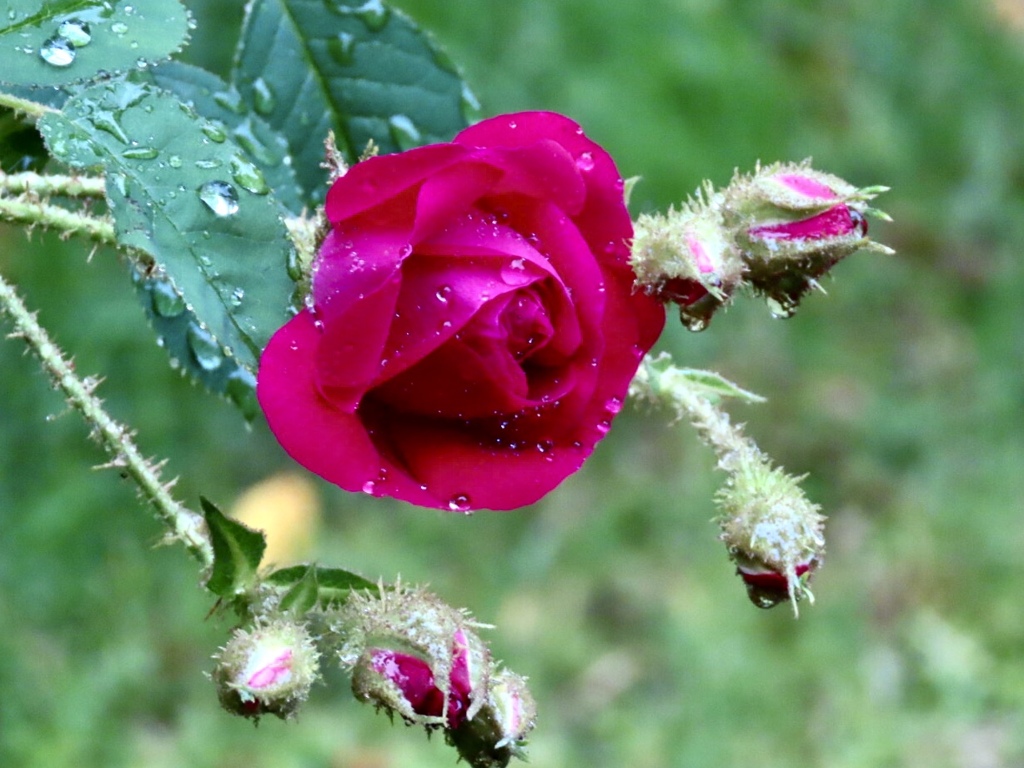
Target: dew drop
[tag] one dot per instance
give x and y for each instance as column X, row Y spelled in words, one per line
column 106, row 122
column 781, row 309
column 248, row 176
column 403, row 132
column 214, row 132
column 75, row 31
column 263, row 99
column 119, row 28
column 229, row 100
column 165, row 299
column 209, row 164
column 204, row 348
column 241, row 390
column 470, row 105
column 374, row 14
column 512, row 124
column 342, row 48
column 603, row 426
column 236, row 297
column 613, row 405
column 140, row 153
column 57, row 52
column 585, row 162
column 174, row 161
column 246, row 137
column 545, row 446
column 459, row 503
column 368, row 486
column 443, row 293
column 220, row 197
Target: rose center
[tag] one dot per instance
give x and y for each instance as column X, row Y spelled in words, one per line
column 526, row 324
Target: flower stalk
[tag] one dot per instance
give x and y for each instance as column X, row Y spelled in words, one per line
column 118, row 441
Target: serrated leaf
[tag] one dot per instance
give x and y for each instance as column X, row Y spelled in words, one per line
column 358, row 68
column 237, row 551
column 302, row 597
column 333, row 585
column 58, row 42
column 179, row 196
column 175, row 326
column 222, row 106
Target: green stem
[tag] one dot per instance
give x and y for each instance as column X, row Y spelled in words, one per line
column 31, row 108
column 185, row 525
column 51, row 184
column 28, row 209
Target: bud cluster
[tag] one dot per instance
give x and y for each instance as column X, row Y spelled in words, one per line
column 412, row 655
column 777, row 231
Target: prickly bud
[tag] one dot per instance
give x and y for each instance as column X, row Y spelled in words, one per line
column 266, row 670
column 687, row 257
column 772, row 532
column 413, row 655
column 498, row 732
column 792, row 225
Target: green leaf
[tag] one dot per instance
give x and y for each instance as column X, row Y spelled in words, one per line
column 223, row 107
column 186, row 195
column 176, row 328
column 237, row 551
column 713, row 385
column 302, row 597
column 358, row 68
column 333, row 585
column 58, row 42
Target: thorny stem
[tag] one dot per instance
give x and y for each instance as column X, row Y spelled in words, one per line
column 29, row 209
column 185, row 525
column 51, row 184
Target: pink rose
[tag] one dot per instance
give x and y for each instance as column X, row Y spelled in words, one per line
column 473, row 327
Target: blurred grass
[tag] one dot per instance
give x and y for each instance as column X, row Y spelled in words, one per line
column 900, row 393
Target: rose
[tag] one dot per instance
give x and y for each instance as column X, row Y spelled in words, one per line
column 472, row 328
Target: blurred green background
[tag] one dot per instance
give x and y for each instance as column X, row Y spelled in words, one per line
column 900, row 393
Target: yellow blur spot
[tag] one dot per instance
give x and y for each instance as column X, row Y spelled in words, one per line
column 287, row 509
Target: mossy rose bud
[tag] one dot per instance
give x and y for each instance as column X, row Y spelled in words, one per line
column 266, row 670
column 498, row 732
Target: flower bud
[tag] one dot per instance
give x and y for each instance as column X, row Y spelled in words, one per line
column 498, row 732
column 687, row 257
column 266, row 670
column 772, row 532
column 792, row 225
column 413, row 655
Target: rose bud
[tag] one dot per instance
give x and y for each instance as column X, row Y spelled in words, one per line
column 688, row 258
column 266, row 670
column 415, row 656
column 793, row 224
column 498, row 732
column 472, row 326
column 772, row 532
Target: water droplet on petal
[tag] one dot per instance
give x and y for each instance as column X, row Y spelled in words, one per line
column 204, row 348
column 263, row 100
column 248, row 176
column 57, row 52
column 512, row 124
column 404, row 132
column 603, row 426
column 368, row 486
column 75, row 31
column 585, row 162
column 442, row 293
column 459, row 503
column 220, row 197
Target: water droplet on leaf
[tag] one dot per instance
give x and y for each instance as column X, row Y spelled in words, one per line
column 220, row 197
column 204, row 348
column 119, row 28
column 374, row 14
column 248, row 176
column 140, row 153
column 263, row 100
column 241, row 390
column 57, row 52
column 470, row 105
column 404, row 132
column 214, row 132
column 342, row 48
column 166, row 300
column 75, row 31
